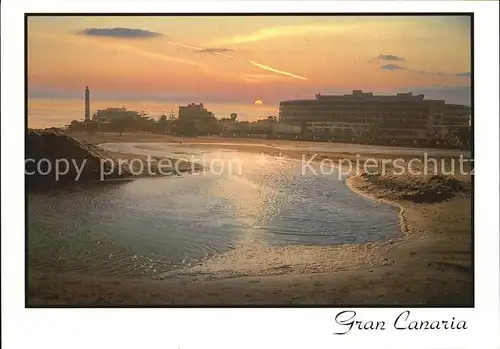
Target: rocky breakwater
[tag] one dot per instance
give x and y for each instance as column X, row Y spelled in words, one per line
column 54, row 158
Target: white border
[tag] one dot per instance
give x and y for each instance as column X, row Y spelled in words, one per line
column 250, row 328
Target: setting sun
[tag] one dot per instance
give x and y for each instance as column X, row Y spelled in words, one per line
column 258, row 102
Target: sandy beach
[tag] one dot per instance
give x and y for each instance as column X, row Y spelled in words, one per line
column 429, row 263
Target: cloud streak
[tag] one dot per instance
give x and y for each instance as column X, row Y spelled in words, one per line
column 122, row 47
column 393, row 67
column 214, row 50
column 280, row 31
column 161, row 56
column 254, row 63
column 383, row 57
column 274, row 70
column 123, row 33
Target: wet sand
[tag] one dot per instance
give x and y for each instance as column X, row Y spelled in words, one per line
column 430, row 263
column 265, row 145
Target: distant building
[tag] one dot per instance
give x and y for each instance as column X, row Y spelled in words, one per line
column 114, row 114
column 362, row 115
column 281, row 128
column 87, row 103
column 453, row 120
column 233, row 128
column 196, row 118
column 193, row 112
column 258, row 128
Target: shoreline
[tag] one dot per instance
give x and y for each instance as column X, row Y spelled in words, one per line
column 415, row 267
column 403, row 220
column 145, row 137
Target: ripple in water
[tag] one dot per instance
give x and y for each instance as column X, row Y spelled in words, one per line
column 152, row 226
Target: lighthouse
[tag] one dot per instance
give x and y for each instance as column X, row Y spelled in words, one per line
column 87, row 103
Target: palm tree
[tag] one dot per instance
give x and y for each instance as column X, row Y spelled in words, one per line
column 172, row 116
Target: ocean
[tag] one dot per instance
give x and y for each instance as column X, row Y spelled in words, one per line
column 153, row 226
column 46, row 112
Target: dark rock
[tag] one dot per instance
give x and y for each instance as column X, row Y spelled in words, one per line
column 53, row 146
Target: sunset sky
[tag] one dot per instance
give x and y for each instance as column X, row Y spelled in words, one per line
column 243, row 59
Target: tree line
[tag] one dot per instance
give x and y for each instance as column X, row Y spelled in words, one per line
column 131, row 121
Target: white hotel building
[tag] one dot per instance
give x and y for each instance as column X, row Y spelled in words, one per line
column 403, row 117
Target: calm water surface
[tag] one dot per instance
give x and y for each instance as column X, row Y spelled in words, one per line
column 150, row 226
